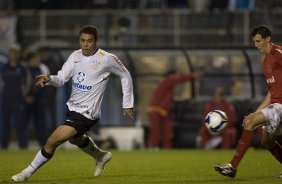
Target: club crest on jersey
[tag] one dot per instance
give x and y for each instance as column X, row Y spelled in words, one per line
column 101, row 54
column 80, row 78
column 270, row 80
column 95, row 65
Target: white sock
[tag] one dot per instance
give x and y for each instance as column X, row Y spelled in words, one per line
column 92, row 149
column 38, row 161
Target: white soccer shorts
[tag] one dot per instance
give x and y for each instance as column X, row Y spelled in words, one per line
column 273, row 114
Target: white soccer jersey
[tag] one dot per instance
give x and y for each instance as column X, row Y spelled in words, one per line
column 89, row 78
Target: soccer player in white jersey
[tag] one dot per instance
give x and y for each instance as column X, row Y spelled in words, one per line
column 89, row 69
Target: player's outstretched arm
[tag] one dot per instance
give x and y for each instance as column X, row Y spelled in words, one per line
column 42, row 79
column 129, row 112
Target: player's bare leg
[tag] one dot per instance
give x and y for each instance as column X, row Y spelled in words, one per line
column 250, row 124
column 59, row 136
column 86, row 144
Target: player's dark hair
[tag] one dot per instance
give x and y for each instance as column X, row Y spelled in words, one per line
column 89, row 29
column 263, row 30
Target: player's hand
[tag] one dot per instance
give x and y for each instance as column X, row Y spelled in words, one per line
column 129, row 112
column 42, row 79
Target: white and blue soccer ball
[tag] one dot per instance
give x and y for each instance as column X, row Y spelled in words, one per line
column 216, row 121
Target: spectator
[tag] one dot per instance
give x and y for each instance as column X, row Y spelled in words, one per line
column 53, row 66
column 227, row 139
column 16, row 79
column 36, row 100
column 159, row 110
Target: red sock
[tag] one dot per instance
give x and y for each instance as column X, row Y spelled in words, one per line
column 242, row 147
column 277, row 152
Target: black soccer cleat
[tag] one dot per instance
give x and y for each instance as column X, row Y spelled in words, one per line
column 226, row 170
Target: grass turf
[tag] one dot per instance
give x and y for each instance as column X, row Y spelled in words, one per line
column 166, row 166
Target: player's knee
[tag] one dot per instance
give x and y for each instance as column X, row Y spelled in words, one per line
column 250, row 123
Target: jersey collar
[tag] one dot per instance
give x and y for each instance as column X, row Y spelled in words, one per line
column 95, row 51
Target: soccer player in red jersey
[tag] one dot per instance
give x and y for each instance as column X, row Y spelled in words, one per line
column 269, row 113
column 160, row 107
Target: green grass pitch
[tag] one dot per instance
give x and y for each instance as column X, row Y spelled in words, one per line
column 165, row 166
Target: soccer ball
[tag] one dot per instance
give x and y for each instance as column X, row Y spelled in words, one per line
column 216, row 121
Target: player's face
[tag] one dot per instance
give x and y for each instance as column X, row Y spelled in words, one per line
column 261, row 43
column 87, row 44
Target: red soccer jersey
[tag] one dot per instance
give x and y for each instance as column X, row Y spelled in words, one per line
column 272, row 68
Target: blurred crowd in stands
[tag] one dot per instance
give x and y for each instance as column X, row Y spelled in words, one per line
column 195, row 5
column 26, row 106
column 22, row 102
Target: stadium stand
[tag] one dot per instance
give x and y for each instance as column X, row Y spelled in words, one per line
column 150, row 40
